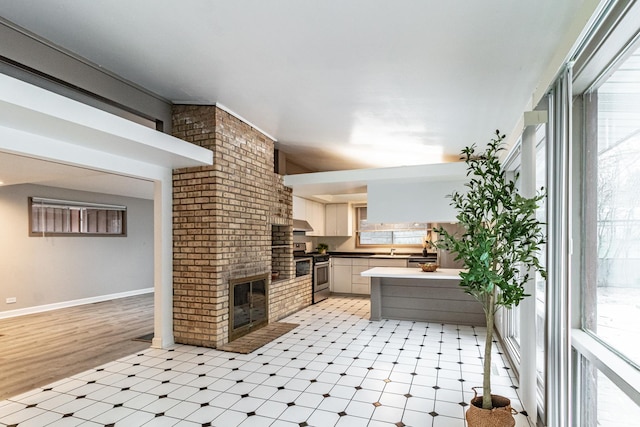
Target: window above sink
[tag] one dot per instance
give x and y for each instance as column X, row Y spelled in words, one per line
column 406, row 234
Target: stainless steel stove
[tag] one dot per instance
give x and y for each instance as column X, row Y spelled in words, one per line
column 321, row 277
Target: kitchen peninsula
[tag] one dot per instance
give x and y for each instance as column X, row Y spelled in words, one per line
column 411, row 294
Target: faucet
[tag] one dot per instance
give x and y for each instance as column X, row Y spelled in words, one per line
column 393, row 251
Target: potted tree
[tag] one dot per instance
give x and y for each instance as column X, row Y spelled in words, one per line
column 501, row 239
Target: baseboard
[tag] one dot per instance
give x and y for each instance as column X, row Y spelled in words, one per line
column 72, row 303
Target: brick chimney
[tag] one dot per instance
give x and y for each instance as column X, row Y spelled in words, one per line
column 225, row 217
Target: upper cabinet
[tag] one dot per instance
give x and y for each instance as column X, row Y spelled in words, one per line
column 338, row 219
column 315, row 216
column 299, row 208
column 333, row 219
column 312, row 212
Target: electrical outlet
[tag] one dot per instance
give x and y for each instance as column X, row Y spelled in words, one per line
column 11, row 300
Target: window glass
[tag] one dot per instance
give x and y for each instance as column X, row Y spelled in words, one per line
column 617, row 225
column 614, row 407
column 51, row 217
column 390, row 234
column 514, row 313
column 541, row 284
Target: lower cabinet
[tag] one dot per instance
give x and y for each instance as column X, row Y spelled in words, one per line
column 345, row 273
column 341, row 275
column 387, row 262
column 359, row 284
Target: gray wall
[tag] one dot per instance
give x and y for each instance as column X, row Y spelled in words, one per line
column 39, row 271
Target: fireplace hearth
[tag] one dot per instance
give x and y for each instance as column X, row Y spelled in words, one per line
column 248, row 305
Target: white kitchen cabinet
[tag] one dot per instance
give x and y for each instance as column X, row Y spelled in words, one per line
column 359, row 284
column 299, row 208
column 316, row 217
column 388, row 262
column 312, row 212
column 338, row 219
column 345, row 273
column 341, row 275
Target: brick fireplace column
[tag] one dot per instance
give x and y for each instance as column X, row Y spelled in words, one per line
column 223, row 217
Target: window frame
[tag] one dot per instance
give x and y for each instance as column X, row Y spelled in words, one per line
column 98, row 208
column 358, row 210
column 614, row 36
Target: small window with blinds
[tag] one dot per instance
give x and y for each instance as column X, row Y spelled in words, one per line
column 388, row 234
column 52, row 217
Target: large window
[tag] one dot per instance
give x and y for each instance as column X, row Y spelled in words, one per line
column 522, row 328
column 606, row 336
column 51, row 217
column 613, row 295
column 510, row 318
column 383, row 234
column 614, row 408
column 541, row 283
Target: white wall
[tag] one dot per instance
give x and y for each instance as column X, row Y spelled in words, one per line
column 40, row 271
column 426, row 200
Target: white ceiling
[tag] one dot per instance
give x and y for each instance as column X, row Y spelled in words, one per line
column 48, row 139
column 26, row 170
column 340, row 84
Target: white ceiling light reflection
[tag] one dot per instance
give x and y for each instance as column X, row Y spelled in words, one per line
column 392, row 154
column 374, row 142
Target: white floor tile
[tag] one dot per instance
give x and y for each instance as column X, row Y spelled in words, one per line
column 185, row 423
column 449, row 409
column 442, row 421
column 333, row 404
column 225, row 400
column 323, row 418
column 247, row 404
column 296, row 414
column 394, row 400
column 309, row 400
column 352, row 421
column 92, row 411
column 140, row 401
column 43, row 419
column 161, row 422
column 72, row 422
column 330, row 370
column 161, row 405
column 397, row 388
column 257, row 421
column 417, row 417
column 182, row 410
column 271, row 409
column 387, row 414
column 103, row 393
column 360, row 409
column 205, row 414
column 113, row 415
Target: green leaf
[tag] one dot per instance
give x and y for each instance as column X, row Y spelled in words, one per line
column 502, row 232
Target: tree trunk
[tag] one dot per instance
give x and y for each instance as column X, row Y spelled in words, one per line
column 486, row 383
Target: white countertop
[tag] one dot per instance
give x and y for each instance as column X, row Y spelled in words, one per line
column 412, row 273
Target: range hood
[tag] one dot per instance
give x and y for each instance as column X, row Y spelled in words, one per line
column 301, row 225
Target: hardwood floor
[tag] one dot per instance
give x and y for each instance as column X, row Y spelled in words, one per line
column 38, row 349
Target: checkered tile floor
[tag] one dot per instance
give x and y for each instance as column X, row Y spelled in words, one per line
column 336, row 369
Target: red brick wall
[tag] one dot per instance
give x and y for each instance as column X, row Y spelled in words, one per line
column 223, row 216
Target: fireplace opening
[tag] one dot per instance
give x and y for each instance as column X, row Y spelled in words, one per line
column 249, row 305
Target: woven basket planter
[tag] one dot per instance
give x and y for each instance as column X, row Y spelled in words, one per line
column 501, row 415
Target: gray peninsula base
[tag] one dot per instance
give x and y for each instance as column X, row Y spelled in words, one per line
column 411, row 294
